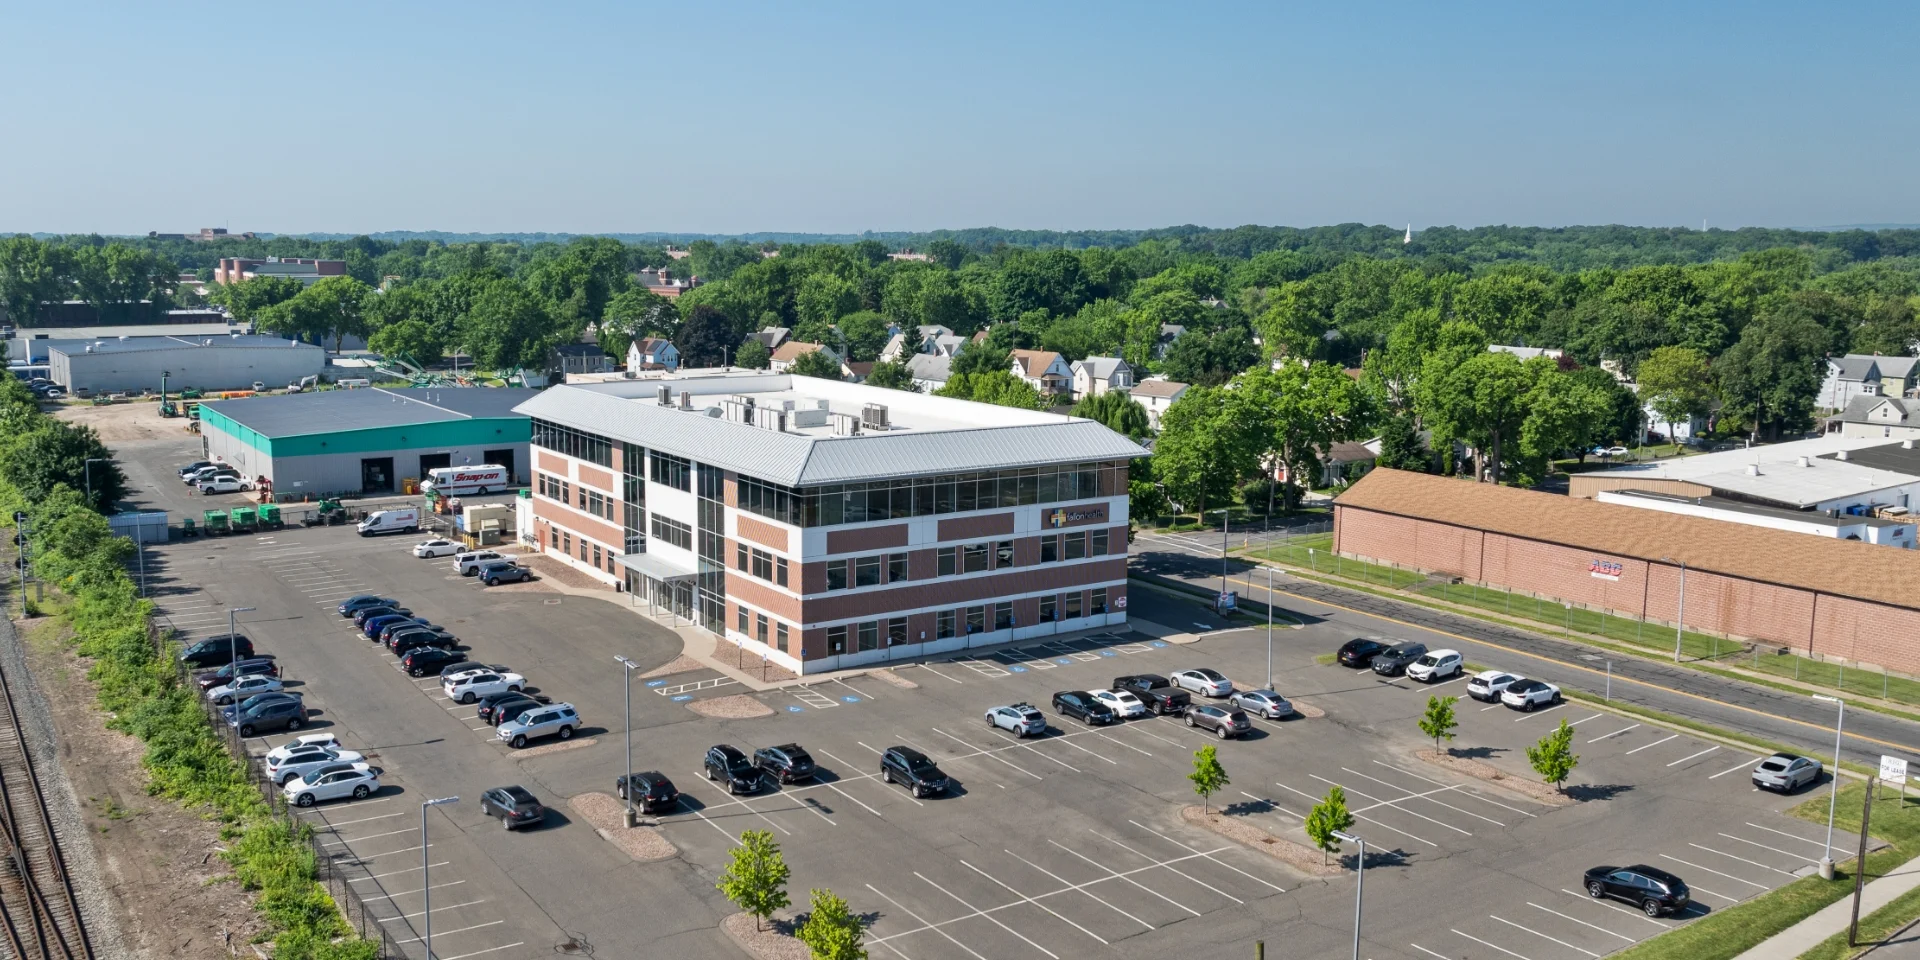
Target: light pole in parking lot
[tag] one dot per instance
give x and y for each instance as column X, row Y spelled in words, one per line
column 1680, row 616
column 626, row 685
column 1359, row 885
column 426, row 881
column 1826, row 862
column 233, row 641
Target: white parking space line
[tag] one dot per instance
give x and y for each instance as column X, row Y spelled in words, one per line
column 1078, row 747
column 1763, row 846
column 1173, row 870
column 1428, row 796
column 991, row 756
column 386, row 853
column 855, row 689
column 1429, row 953
column 373, row 836
column 1693, row 756
column 383, row 816
column 1276, row 888
column 701, row 776
column 1614, row 906
column 407, row 893
column 928, row 667
column 1123, row 743
column 1585, row 719
column 1122, row 877
column 836, row 789
column 1390, row 803
column 1166, row 740
column 1581, row 922
column 1789, row 836
column 1528, row 716
column 395, row 873
column 504, row 946
column 1070, row 886
column 1744, row 860
column 993, row 920
column 1616, row 733
column 1003, row 737
column 1744, row 765
column 1537, row 933
column 1313, row 799
column 449, row 933
column 1027, row 899
column 1649, row 746
column 1729, row 876
column 1437, row 783
column 909, row 796
column 710, row 823
column 924, row 925
column 1483, row 943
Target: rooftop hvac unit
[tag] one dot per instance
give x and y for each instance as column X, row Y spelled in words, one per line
column 770, row 418
column 686, row 400
column 844, row 424
column 666, row 395
column 873, row 416
column 808, row 418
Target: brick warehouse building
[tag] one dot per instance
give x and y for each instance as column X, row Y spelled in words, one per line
column 1835, row 599
column 829, row 524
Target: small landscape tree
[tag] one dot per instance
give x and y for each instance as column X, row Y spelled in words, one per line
column 756, row 880
column 1553, row 757
column 1439, row 721
column 832, row 932
column 1328, row 817
column 1208, row 775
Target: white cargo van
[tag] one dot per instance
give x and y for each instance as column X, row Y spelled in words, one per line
column 398, row 520
column 455, row 481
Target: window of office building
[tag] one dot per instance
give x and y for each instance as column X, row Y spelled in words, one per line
column 949, row 561
column 1072, row 603
column 1003, row 555
column 896, row 631
column 1049, row 609
column 780, row 570
column 743, row 619
column 590, row 447
column 836, row 574
column 1002, row 616
column 566, row 543
column 836, row 641
column 869, row 636
column 975, row 557
column 1076, row 546
column 896, row 499
column 976, row 619
column 943, row 625
column 669, row 470
column 780, row 637
column 553, row 536
column 896, row 567
column 1099, row 602
column 669, row 530
column 760, row 627
column 866, row 572
column 740, row 556
column 1097, row 543
column 1049, row 549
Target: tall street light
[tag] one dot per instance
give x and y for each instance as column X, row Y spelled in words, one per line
column 1826, row 862
column 426, row 882
column 1680, row 617
column 1359, row 885
column 86, row 471
column 233, row 641
column 1269, row 627
column 626, row 685
column 1226, row 521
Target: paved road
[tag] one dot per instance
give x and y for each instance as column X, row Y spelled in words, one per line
column 1789, row 718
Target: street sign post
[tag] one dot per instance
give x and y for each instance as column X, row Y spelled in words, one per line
column 1894, row 769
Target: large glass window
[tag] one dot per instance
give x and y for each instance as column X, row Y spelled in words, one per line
column 1003, row 616
column 1099, row 602
column 896, row 567
column 896, row 631
column 836, row 640
column 866, row 572
column 869, row 636
column 834, row 504
column 590, row 447
column 667, row 469
column 976, row 619
column 1097, row 543
column 1049, row 611
column 672, row 531
column 836, row 574
column 1049, row 549
column 780, row 637
column 1076, row 546
column 943, row 625
column 975, row 555
column 1003, row 554
column 949, row 561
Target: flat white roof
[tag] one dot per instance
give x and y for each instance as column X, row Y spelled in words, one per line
column 1782, row 478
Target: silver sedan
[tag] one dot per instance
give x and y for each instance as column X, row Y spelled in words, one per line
column 1786, row 772
column 1263, row 703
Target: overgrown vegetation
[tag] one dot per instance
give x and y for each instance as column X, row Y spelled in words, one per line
column 77, row 555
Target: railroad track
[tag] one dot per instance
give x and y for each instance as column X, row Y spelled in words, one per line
column 37, row 905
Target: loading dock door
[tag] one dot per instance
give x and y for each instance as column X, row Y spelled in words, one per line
column 376, row 475
column 502, row 458
column 430, row 462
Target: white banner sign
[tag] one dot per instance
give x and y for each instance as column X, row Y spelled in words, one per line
column 1893, row 769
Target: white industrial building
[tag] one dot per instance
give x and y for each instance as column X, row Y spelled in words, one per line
column 1888, row 531
column 227, row 362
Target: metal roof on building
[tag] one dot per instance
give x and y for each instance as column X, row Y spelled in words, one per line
column 1773, row 472
column 333, row 411
column 210, row 342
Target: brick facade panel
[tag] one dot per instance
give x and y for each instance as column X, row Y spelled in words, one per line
column 1867, row 632
column 1449, row 549
column 867, row 538
column 580, row 524
column 552, row 463
column 1563, row 573
column 979, row 589
column 974, row 528
column 762, row 597
column 763, row 533
column 598, row 479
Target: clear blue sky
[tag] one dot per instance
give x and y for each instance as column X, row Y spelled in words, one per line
column 126, row 117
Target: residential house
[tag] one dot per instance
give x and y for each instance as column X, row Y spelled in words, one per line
column 662, row 283
column 772, row 337
column 930, row 371
column 1097, row 375
column 1044, row 370
column 1898, row 375
column 581, row 358
column 925, row 338
column 856, row 371
column 1872, row 416
column 1527, row 353
column 791, row 351
column 1169, row 332
column 1854, row 375
column 1348, row 460
column 1157, row 394
column 653, row 353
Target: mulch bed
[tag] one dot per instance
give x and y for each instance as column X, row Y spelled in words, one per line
column 606, row 813
column 1294, row 854
column 1531, row 789
column 737, row 707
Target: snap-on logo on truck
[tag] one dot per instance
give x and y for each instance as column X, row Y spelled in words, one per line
column 480, row 479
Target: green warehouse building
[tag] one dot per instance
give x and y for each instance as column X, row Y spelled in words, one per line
column 364, row 442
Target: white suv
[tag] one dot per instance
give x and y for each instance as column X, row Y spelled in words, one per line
column 470, row 688
column 468, row 564
column 553, row 720
column 1437, row 665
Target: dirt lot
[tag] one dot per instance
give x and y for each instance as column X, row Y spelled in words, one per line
column 160, row 863
column 121, row 422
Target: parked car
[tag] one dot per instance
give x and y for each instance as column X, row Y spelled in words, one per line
column 1205, row 682
column 786, row 763
column 1266, row 703
column 1359, row 652
column 905, row 765
column 516, row 807
column 1528, row 694
column 410, row 639
column 1435, row 666
column 429, row 549
column 194, row 467
column 503, row 571
column 652, row 791
column 1786, row 772
column 372, row 626
column 495, row 709
column 468, row 564
column 216, row 651
column 223, row 483
column 1652, row 889
column 726, row 763
column 358, row 602
column 469, row 667
column 324, row 740
column 1122, row 702
column 1082, row 706
column 362, row 615
column 202, row 475
column 387, row 630
column 300, row 763
column 470, row 688
column 1395, row 660
column 256, row 664
column 1487, row 685
column 547, row 720
column 271, row 715
column 333, row 782
column 419, row 661
column 243, row 687
column 1222, row 721
column 1019, row 719
column 1160, row 695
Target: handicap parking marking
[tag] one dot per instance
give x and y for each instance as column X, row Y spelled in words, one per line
column 1158, row 644
column 1109, row 653
column 796, row 708
column 1016, row 668
column 682, row 698
column 1065, row 661
column 656, row 683
column 846, row 699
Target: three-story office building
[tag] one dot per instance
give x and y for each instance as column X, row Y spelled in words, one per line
column 829, row 524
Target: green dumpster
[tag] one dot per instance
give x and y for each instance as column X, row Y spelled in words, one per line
column 243, row 519
column 270, row 517
column 215, row 522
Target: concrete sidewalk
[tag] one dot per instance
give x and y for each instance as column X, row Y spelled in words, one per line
column 1834, row 918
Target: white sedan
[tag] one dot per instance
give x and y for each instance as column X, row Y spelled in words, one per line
column 1123, row 704
column 309, row 741
column 1205, row 682
column 243, row 688
column 436, row 548
column 302, row 763
column 468, row 689
column 223, row 485
column 332, row 782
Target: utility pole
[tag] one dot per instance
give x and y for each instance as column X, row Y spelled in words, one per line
column 1860, row 864
column 1839, row 724
column 1359, row 885
column 23, row 524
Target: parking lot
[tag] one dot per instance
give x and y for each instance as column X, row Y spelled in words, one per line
column 1047, row 847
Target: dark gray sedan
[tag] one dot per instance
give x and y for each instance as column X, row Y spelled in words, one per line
column 1224, row 722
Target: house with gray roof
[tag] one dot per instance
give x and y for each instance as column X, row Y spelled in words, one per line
column 1868, row 415
column 1861, row 375
column 1097, row 375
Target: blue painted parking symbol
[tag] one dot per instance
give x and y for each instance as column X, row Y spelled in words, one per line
column 796, row 709
column 1017, row 669
column 684, row 696
column 849, row 699
column 1108, row 653
column 1065, row 661
column 656, row 683
column 1157, row 643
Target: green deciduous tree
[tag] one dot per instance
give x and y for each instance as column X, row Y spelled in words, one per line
column 1771, row 376
column 509, row 326
column 55, row 454
column 816, row 363
column 1439, row 721
column 998, row 387
column 1328, row 817
column 980, row 358
column 1205, row 447
column 633, row 314
column 864, row 333
column 705, row 338
column 893, row 376
column 338, row 306
column 1676, row 384
column 756, row 877
column 1297, row 413
column 753, row 355
column 832, row 932
column 1553, row 757
column 1208, row 776
column 1211, row 358
column 245, row 299
column 1400, row 445
column 1121, row 413
column 410, row 338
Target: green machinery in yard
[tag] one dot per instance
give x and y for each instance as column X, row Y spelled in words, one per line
column 244, row 520
column 270, row 517
column 214, row 522
column 326, row 513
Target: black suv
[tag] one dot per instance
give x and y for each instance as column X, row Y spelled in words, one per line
column 1359, row 652
column 1652, row 889
column 911, row 767
column 1394, row 660
column 787, row 763
column 652, row 791
column 726, row 762
column 502, row 707
column 515, row 806
column 216, row 651
column 1079, row 703
column 413, row 638
column 1157, row 692
column 422, row 661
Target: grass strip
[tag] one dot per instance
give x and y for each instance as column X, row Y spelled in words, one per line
column 1874, row 928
